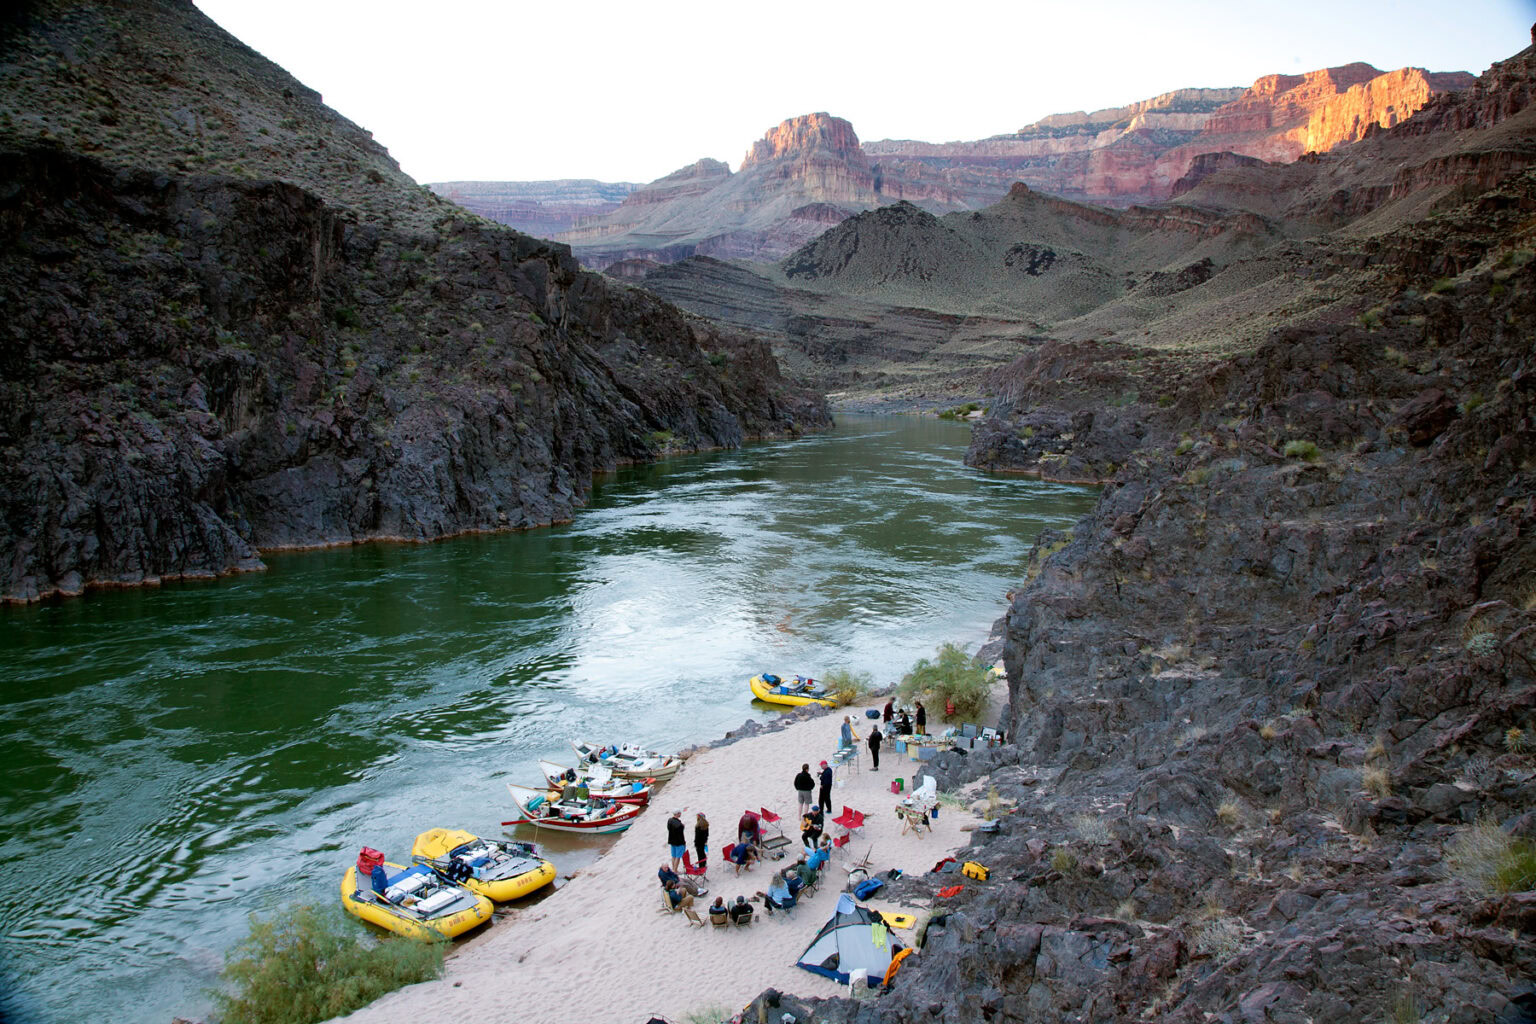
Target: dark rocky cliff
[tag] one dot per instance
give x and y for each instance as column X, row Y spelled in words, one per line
column 197, row 366
column 1272, row 701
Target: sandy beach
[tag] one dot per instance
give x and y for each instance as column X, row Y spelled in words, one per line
column 601, row 950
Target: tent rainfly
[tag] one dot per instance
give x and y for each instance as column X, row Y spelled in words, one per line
column 853, row 938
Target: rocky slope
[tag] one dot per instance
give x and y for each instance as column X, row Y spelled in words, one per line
column 1271, row 701
column 542, row 209
column 219, row 342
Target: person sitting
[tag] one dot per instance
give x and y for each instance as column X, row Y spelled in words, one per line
column 678, row 897
column 818, row 857
column 793, row 882
column 669, row 877
column 806, row 872
column 741, row 911
column 718, row 911
column 903, row 725
column 778, row 896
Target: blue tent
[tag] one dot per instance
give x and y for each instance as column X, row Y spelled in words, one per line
column 852, row 939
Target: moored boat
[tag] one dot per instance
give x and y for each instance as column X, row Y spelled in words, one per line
column 590, row 817
column 493, row 868
column 796, row 692
column 600, row 783
column 628, row 761
column 417, row 903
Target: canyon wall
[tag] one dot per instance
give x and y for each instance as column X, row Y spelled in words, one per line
column 542, row 209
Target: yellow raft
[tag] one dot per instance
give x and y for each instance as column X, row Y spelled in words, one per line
column 794, row 693
column 422, row 904
column 492, row 868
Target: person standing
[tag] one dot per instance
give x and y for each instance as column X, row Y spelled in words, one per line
column 804, row 787
column 922, row 719
column 677, row 839
column 890, row 709
column 874, row 747
column 701, row 839
column 845, row 734
column 825, row 801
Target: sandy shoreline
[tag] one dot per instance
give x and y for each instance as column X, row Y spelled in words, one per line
column 600, row 950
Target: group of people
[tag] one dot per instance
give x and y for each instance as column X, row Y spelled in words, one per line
column 786, row 885
column 892, row 722
column 806, row 784
column 677, row 839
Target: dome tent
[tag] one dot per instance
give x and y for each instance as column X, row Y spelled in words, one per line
column 853, row 938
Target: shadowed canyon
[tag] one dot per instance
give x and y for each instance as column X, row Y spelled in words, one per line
column 1264, row 699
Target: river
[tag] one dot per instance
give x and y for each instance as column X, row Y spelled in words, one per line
column 177, row 758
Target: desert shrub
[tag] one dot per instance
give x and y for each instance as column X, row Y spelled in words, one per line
column 1230, row 813
column 1219, row 939
column 1063, row 861
column 1376, row 781
column 708, row 1015
column 951, row 678
column 1184, row 446
column 310, row 963
column 1514, row 740
column 1091, row 829
column 1442, row 285
column 1471, row 403
column 1481, row 644
column 847, row 686
column 1490, row 859
column 1301, row 450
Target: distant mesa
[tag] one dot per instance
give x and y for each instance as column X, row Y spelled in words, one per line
column 811, row 172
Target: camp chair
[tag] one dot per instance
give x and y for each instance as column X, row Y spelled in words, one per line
column 720, row 920
column 689, row 868
column 693, row 918
column 838, row 842
column 742, row 922
column 769, row 818
column 851, row 820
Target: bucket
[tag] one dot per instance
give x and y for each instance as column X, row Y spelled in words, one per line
column 901, row 784
column 935, row 812
column 894, row 787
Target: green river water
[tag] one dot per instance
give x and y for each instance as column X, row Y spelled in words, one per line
column 177, row 758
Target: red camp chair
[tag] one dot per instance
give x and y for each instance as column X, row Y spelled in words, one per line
column 689, row 868
column 776, row 820
column 840, row 841
column 851, row 820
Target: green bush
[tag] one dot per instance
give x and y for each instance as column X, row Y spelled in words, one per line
column 1490, row 859
column 1441, row 286
column 847, row 686
column 1184, row 447
column 1301, row 450
column 959, row 411
column 310, row 963
column 952, row 678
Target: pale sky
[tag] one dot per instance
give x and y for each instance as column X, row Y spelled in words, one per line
column 627, row 91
